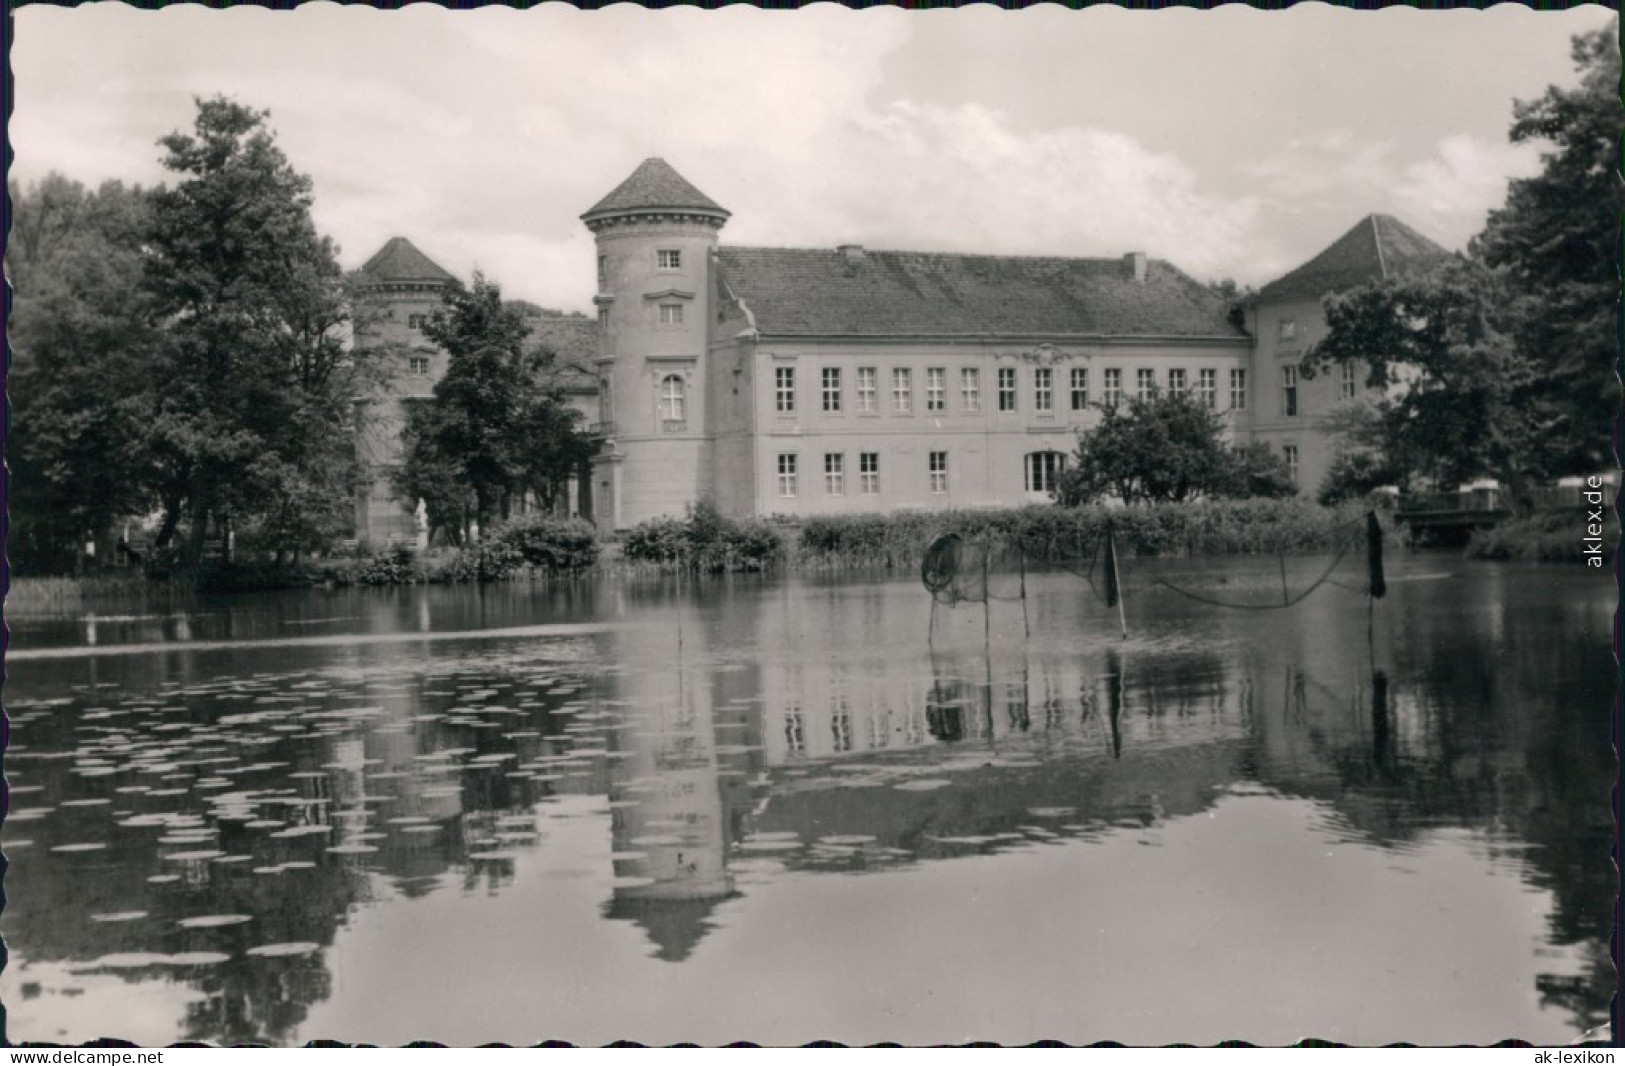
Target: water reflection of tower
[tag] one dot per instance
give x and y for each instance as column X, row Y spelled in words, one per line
column 668, row 819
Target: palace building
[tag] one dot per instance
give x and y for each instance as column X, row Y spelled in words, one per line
column 803, row 381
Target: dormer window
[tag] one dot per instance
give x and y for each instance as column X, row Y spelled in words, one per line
column 669, row 259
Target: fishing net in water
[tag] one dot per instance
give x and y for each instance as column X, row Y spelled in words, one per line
column 1282, row 579
column 960, row 570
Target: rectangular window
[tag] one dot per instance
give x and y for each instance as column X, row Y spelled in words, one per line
column 1043, row 389
column 1207, row 388
column 673, row 401
column 420, row 366
column 1145, row 382
column 970, row 388
column 603, row 271
column 1080, row 388
column 832, row 389
column 866, row 388
column 1176, row 381
column 869, row 473
column 1346, row 386
column 1112, row 394
column 415, row 321
column 1290, row 451
column 1238, row 390
column 1007, row 388
column 939, row 472
column 603, row 319
column 835, row 474
column 784, row 389
column 671, row 314
column 1288, row 329
column 1043, row 469
column 787, row 474
column 1289, row 392
column 936, row 389
column 669, row 259
column 902, row 389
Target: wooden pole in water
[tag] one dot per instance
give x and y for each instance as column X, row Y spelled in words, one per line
column 1114, row 585
column 987, row 607
column 1026, row 626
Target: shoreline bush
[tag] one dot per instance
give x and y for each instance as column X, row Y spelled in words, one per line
column 706, row 541
column 1546, row 536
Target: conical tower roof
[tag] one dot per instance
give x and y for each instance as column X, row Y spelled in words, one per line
column 399, row 260
column 1379, row 246
column 654, row 186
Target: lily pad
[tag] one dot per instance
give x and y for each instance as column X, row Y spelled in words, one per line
column 292, row 947
column 214, row 921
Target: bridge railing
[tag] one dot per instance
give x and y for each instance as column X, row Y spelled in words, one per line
column 1437, row 502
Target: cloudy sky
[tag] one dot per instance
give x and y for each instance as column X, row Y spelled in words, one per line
column 1233, row 142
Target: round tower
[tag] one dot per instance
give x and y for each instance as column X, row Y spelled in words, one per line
column 655, row 233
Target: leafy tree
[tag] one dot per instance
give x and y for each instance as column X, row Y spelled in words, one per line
column 1238, row 299
column 83, row 342
column 1256, row 471
column 257, row 388
column 555, row 448
column 429, row 474
column 1354, row 475
column 1449, row 369
column 496, row 428
column 1557, row 241
column 1166, row 449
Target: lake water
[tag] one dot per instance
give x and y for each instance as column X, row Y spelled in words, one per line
column 790, row 809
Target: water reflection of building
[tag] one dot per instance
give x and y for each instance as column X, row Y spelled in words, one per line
column 685, row 743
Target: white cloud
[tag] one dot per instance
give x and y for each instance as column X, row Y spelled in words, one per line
column 482, row 135
column 1446, row 193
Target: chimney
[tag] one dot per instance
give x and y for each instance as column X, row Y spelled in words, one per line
column 852, row 253
column 1135, row 262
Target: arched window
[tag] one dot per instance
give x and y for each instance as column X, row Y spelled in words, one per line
column 1044, row 470
column 673, row 399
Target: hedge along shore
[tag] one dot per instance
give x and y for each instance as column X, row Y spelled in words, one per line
column 1205, row 528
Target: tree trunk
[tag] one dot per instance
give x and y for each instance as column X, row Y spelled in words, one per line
column 197, row 534
column 172, row 521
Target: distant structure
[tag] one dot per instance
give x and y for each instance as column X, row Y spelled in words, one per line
column 824, row 381
column 406, row 287
column 804, row 381
column 1287, row 319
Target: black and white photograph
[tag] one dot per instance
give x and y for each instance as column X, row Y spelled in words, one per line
column 816, row 525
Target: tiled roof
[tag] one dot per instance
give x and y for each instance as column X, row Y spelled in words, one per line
column 574, row 343
column 399, row 260
column 1379, row 246
column 825, row 291
column 655, row 185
